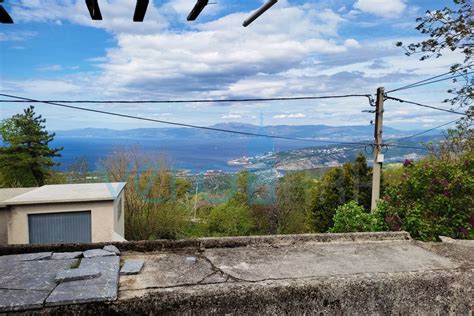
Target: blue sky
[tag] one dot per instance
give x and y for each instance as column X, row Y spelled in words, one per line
column 55, row 51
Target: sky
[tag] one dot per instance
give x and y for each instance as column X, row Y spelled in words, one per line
column 54, row 51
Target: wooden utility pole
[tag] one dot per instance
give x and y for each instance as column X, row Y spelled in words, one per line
column 378, row 156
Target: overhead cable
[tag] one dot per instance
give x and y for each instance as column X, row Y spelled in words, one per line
column 423, row 132
column 194, row 100
column 180, row 124
column 430, row 81
column 426, row 106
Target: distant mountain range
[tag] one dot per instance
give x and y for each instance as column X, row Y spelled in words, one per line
column 322, row 132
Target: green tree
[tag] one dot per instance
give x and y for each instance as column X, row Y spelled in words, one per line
column 292, row 212
column 449, row 29
column 27, row 159
column 350, row 182
column 457, row 142
column 154, row 198
column 230, row 219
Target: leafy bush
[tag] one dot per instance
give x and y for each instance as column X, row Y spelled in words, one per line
column 293, row 204
column 230, row 219
column 435, row 198
column 351, row 182
column 352, row 217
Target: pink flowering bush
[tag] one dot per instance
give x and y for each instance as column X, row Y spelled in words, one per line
column 435, row 197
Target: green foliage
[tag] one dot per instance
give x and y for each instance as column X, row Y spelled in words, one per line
column 155, row 201
column 26, row 156
column 457, row 141
column 352, row 181
column 230, row 219
column 435, row 198
column 392, row 174
column 448, row 29
column 172, row 222
column 352, row 217
column 55, row 177
column 294, row 199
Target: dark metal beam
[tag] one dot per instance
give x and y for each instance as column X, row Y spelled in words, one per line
column 259, row 12
column 4, row 16
column 140, row 10
column 94, row 10
column 198, row 7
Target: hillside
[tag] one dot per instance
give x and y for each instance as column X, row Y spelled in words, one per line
column 323, row 132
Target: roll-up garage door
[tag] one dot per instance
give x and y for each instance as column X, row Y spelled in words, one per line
column 54, row 228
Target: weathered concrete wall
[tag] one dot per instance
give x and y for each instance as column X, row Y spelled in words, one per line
column 119, row 216
column 423, row 293
column 102, row 217
column 426, row 278
column 328, row 274
column 201, row 243
column 4, row 225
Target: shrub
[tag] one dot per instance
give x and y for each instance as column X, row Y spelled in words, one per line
column 436, row 197
column 352, row 217
column 351, row 182
column 230, row 219
column 292, row 213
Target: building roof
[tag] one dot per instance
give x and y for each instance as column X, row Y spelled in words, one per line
column 9, row 193
column 61, row 193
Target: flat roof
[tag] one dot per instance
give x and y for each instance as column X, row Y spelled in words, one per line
column 61, row 193
column 9, row 193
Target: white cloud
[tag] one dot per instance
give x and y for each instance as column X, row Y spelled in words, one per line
column 385, row 8
column 17, row 36
column 289, row 116
column 166, row 114
column 294, row 51
column 217, row 54
column 117, row 15
column 231, row 116
column 351, row 43
column 50, row 68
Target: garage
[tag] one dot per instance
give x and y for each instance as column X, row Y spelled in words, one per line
column 63, row 213
column 54, row 228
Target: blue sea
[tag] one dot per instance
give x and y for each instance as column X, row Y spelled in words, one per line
column 193, row 155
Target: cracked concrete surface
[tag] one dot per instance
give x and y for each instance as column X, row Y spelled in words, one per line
column 358, row 277
column 253, row 264
column 320, row 274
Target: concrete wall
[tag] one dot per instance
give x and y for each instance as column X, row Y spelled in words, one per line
column 4, row 226
column 119, row 219
column 102, row 217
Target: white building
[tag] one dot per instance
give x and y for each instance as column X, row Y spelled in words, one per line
column 65, row 213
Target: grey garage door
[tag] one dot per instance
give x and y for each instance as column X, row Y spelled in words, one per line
column 54, row 228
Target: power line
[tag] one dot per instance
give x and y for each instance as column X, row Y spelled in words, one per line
column 403, row 146
column 426, row 106
column 421, row 133
column 181, row 124
column 434, row 81
column 425, row 81
column 189, row 101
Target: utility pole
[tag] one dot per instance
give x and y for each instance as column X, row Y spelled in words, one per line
column 378, row 156
column 195, row 200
